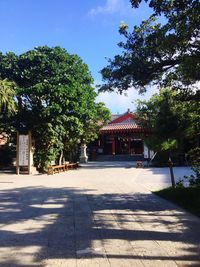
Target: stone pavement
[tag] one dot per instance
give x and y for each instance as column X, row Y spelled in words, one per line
column 93, row 216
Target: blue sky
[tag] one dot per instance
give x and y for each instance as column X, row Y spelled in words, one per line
column 88, row 28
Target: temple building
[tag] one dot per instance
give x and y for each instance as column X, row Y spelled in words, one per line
column 123, row 136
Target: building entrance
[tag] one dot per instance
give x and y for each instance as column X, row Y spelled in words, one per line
column 123, row 146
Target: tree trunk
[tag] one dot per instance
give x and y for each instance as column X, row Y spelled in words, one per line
column 61, row 157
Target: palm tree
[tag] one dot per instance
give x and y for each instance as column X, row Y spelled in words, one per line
column 7, row 94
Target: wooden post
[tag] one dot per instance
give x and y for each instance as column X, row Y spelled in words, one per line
column 171, row 172
column 103, row 143
column 130, row 146
column 113, row 146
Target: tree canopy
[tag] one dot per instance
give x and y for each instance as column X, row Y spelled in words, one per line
column 173, row 123
column 55, row 100
column 165, row 53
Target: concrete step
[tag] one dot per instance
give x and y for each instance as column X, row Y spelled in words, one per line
column 119, row 158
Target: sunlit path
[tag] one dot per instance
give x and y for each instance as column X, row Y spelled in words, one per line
column 93, row 216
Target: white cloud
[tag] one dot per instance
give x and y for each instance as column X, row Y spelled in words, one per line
column 111, row 6
column 120, row 103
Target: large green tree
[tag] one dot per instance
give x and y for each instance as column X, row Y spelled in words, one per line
column 166, row 53
column 173, row 124
column 55, row 100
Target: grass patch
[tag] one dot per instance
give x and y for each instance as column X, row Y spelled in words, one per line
column 187, row 198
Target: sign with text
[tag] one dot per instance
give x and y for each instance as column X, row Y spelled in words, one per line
column 23, row 150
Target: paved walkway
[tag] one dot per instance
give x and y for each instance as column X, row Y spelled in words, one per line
column 93, row 216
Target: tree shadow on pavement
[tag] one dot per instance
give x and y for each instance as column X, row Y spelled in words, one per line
column 41, row 223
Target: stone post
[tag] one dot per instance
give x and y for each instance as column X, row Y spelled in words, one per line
column 83, row 156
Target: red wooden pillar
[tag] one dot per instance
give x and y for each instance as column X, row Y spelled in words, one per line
column 102, row 143
column 113, row 146
column 129, row 146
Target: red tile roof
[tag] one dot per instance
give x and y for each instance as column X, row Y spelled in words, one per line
column 124, row 117
column 127, row 122
column 121, row 127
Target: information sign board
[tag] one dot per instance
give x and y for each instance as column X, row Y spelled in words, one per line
column 23, row 150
